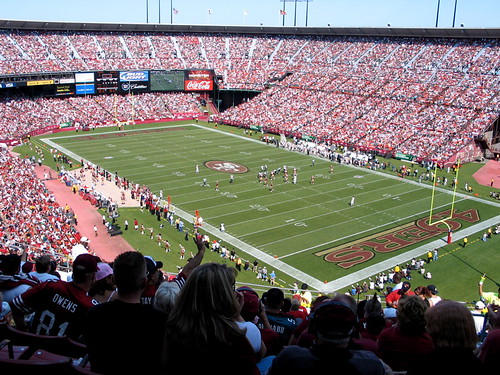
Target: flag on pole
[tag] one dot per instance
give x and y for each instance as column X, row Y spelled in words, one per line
column 175, row 11
column 245, row 12
column 282, row 13
column 209, row 11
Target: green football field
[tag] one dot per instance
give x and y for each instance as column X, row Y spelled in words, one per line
column 307, row 231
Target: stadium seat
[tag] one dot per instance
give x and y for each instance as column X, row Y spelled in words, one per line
column 57, row 345
column 23, row 366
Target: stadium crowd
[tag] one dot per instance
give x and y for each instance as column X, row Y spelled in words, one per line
column 378, row 94
column 21, row 116
column 200, row 314
column 423, row 97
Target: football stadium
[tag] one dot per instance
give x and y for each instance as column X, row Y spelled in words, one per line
column 210, row 172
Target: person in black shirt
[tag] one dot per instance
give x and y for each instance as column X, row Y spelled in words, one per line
column 125, row 336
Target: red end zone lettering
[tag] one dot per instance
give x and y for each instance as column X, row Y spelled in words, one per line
column 364, row 249
column 346, row 258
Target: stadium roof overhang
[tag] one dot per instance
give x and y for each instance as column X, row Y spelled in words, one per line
column 457, row 32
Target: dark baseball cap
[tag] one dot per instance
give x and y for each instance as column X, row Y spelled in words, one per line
column 86, row 262
column 151, row 265
column 334, row 319
column 250, row 303
column 432, row 288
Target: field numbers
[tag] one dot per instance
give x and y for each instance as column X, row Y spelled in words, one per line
column 205, row 141
column 158, row 165
column 228, row 194
column 390, row 196
column 259, row 207
column 355, row 186
column 178, row 174
column 296, row 223
column 140, row 157
column 124, row 151
column 323, row 176
column 245, row 153
column 225, row 147
column 110, row 145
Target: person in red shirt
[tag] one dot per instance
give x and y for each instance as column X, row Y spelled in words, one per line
column 59, row 306
column 393, row 297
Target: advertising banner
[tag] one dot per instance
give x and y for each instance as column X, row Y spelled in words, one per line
column 85, row 88
column 84, row 77
column 142, row 75
column 41, row 82
column 65, row 90
column 198, row 85
column 130, row 87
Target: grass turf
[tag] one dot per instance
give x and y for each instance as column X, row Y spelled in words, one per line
column 295, row 222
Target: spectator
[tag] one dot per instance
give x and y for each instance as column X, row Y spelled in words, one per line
column 489, row 351
column 425, row 294
column 251, row 307
column 453, row 333
column 65, row 302
column 406, row 344
column 305, row 296
column 393, row 297
column 168, row 290
column 331, row 324
column 434, row 299
column 155, row 278
column 104, row 287
column 297, row 311
column 42, row 268
column 124, row 335
column 12, row 282
column 201, row 326
column 490, row 298
column 282, row 323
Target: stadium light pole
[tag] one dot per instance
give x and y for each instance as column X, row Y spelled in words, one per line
column 295, row 15
column 284, row 11
column 171, row 12
column 454, row 13
column 437, row 13
column 147, row 11
column 307, row 11
column 159, row 11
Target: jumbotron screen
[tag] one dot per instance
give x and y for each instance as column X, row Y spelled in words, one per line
column 167, row 80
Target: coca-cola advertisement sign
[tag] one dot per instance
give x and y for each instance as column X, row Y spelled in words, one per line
column 197, row 85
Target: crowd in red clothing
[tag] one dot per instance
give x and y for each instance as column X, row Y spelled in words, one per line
column 31, row 219
column 424, row 97
column 22, row 115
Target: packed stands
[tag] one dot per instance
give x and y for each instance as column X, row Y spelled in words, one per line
column 426, row 97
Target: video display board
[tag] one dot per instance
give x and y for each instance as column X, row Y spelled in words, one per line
column 167, row 80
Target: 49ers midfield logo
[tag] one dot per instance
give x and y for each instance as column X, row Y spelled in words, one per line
column 226, row 166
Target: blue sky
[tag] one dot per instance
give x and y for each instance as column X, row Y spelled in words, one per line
column 342, row 13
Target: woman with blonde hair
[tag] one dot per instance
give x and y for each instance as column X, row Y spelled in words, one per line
column 453, row 333
column 201, row 334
